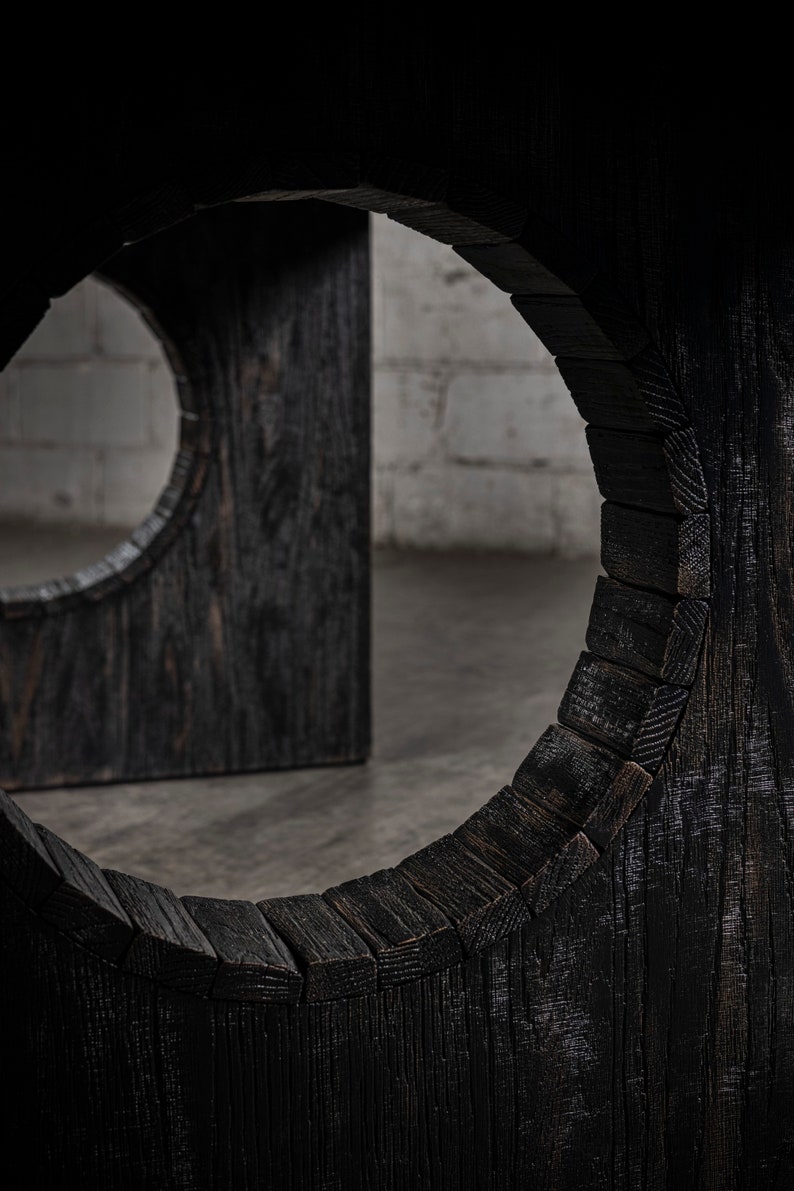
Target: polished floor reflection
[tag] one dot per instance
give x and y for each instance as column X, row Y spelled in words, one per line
column 471, row 654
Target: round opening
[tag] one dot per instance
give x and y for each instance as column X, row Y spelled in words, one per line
column 486, row 533
column 89, row 430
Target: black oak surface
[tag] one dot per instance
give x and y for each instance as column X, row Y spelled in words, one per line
column 628, row 1025
column 231, row 632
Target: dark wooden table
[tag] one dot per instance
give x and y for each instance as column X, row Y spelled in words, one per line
column 588, row 984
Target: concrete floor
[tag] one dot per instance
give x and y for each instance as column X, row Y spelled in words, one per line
column 471, row 654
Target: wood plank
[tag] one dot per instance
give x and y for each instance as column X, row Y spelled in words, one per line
column 482, row 905
column 469, row 214
column 514, row 835
column 560, row 871
column 254, row 963
column 644, row 471
column 25, row 863
column 153, row 211
column 634, row 394
column 597, row 325
column 611, row 813
column 566, row 772
column 408, row 935
column 84, row 906
column 168, row 948
column 335, row 961
column 625, row 710
column 540, row 261
column 648, row 631
column 281, row 175
column 261, row 660
column 651, row 550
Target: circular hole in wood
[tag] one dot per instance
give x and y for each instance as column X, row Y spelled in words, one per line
column 486, row 534
column 89, row 421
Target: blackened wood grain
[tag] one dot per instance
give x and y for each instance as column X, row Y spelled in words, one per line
column 566, row 771
column 650, row 473
column 647, row 631
column 84, row 906
column 540, row 261
column 638, row 1032
column 469, row 214
column 408, row 935
column 611, row 812
column 335, row 960
column 254, row 963
column 623, row 709
column 25, row 863
column 596, row 325
column 514, row 835
column 656, row 551
column 559, row 872
column 153, row 211
column 168, row 946
column 237, row 637
column 483, row 905
column 634, row 395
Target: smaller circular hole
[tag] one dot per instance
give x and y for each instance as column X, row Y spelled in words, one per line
column 89, row 431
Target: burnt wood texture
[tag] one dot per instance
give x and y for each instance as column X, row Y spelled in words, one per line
column 230, row 632
column 622, row 1014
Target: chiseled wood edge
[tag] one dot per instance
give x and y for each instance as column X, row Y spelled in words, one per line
column 334, row 959
column 652, row 550
column 648, row 472
column 254, row 963
column 482, row 905
column 84, row 906
column 648, row 631
column 629, row 712
column 407, row 933
column 569, row 797
column 168, row 945
column 25, row 862
column 138, row 553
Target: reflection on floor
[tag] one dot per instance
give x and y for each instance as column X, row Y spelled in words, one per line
column 471, row 654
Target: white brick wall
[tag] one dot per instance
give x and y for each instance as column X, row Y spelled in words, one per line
column 476, row 441
column 88, row 415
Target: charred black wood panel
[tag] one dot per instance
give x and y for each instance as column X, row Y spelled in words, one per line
column 232, row 632
column 630, row 1025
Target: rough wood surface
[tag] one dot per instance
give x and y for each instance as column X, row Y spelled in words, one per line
column 254, row 963
column 232, row 630
column 84, row 906
column 482, row 905
column 407, row 934
column 652, row 550
column 639, row 470
column 625, row 710
column 26, row 863
column 514, row 835
column 168, row 946
column 335, row 960
column 566, row 770
column 636, row 1033
column 559, row 873
column 647, row 631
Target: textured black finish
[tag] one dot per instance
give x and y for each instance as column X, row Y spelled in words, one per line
column 336, row 961
column 254, row 963
column 231, row 631
column 84, row 906
column 168, row 946
column 636, row 1031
